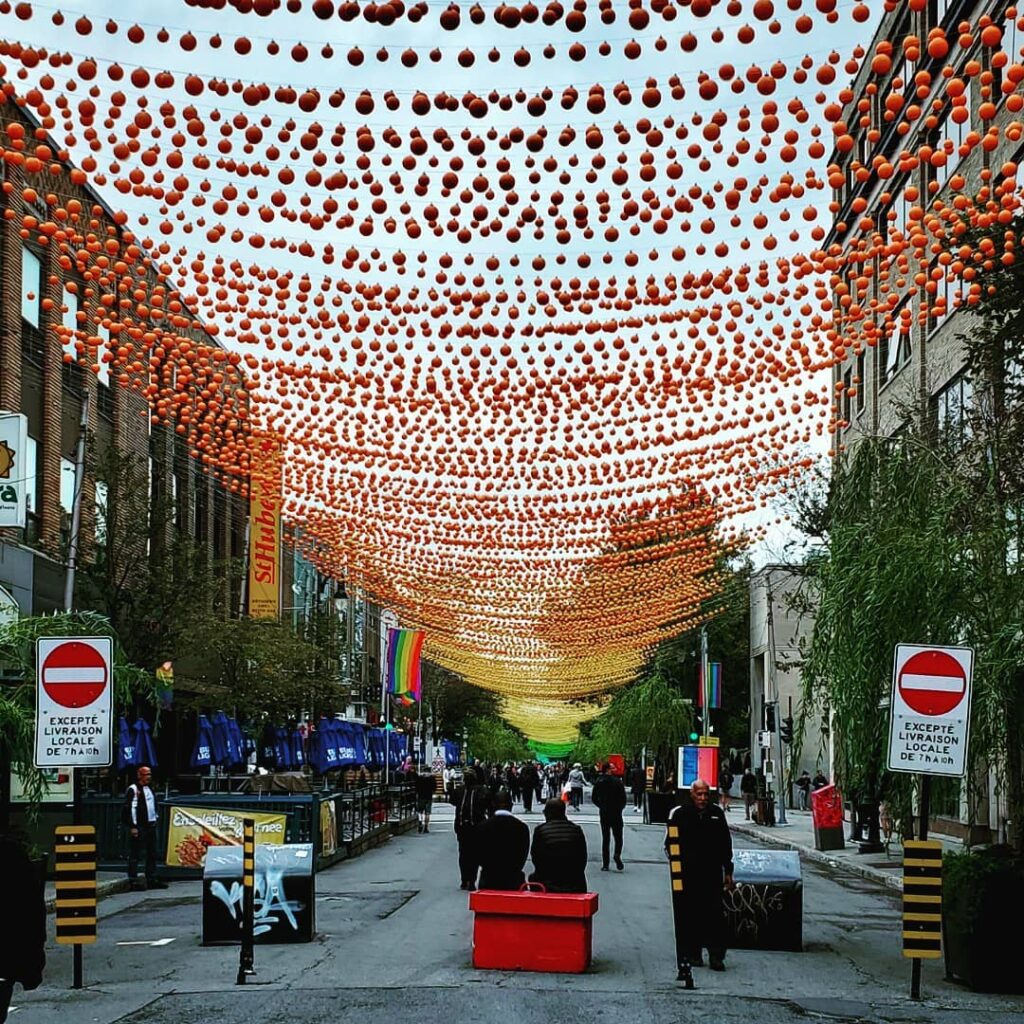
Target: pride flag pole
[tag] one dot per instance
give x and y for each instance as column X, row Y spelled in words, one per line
column 384, row 715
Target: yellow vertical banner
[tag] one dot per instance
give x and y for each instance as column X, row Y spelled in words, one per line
column 265, row 469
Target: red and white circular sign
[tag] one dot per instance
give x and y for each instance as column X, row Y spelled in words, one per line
column 932, row 683
column 74, row 674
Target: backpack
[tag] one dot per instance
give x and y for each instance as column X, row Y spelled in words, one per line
column 126, row 808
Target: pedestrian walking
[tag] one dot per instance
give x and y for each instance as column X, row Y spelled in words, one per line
column 697, row 835
column 725, row 781
column 528, row 785
column 819, row 780
column 748, row 790
column 473, row 801
column 609, row 794
column 503, row 844
column 576, row 782
column 803, row 790
column 23, row 938
column 559, row 851
column 424, row 785
column 637, row 785
column 141, row 818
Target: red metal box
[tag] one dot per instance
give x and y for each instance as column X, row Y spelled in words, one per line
column 530, row 931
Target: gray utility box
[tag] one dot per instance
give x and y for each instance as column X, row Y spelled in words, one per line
column 285, row 898
column 765, row 911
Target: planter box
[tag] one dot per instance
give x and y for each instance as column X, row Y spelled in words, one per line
column 979, row 911
column 531, row 931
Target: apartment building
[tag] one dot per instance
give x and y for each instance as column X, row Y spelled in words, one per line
column 915, row 375
column 47, row 308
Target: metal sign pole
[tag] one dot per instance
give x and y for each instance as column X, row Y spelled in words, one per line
column 245, row 953
column 925, row 809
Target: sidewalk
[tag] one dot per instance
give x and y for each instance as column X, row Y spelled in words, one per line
column 798, row 834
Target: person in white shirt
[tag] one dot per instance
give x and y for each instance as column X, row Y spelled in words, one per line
column 141, row 817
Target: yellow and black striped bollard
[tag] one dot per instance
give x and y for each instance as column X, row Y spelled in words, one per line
column 922, row 905
column 675, row 865
column 74, row 851
column 245, row 955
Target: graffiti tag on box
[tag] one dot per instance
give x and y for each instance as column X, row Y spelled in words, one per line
column 270, row 904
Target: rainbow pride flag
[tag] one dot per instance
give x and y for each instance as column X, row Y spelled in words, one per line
column 709, row 691
column 403, row 664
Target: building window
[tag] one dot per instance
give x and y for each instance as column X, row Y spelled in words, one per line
column 861, row 381
column 895, row 348
column 847, row 384
column 31, row 281
column 69, row 321
column 102, row 354
column 952, row 412
column 67, row 485
column 100, row 532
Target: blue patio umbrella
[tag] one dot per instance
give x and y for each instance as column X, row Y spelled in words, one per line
column 221, row 736
column 346, row 744
column 125, row 746
column 236, row 744
column 358, row 742
column 284, row 748
column 145, row 752
column 267, row 752
column 319, row 748
column 298, row 752
column 202, row 752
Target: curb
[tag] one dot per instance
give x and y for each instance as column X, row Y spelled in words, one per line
column 885, row 878
column 105, row 888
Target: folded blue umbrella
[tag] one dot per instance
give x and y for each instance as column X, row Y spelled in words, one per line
column 319, row 749
column 346, row 744
column 145, row 752
column 358, row 734
column 236, row 745
column 125, row 746
column 266, row 753
column 284, row 749
column 221, row 739
column 202, row 752
column 298, row 752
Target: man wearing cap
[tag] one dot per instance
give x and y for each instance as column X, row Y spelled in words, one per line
column 699, row 849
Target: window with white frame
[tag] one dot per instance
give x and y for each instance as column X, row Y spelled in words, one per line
column 896, row 346
column 67, row 485
column 100, row 532
column 103, row 354
column 31, row 282
column 861, row 381
column 69, row 320
column 952, row 411
column 847, row 384
column 31, row 477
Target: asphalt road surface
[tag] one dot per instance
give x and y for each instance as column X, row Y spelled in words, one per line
column 393, row 944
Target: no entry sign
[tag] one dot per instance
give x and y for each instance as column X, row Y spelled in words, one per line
column 74, row 702
column 931, row 709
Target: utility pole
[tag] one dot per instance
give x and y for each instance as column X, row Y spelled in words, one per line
column 773, row 689
column 76, row 508
column 705, row 702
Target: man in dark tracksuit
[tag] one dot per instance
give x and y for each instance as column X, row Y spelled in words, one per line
column 609, row 794
column 472, row 805
column 528, row 785
column 699, row 849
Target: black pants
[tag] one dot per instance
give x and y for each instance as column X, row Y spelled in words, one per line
column 699, row 920
column 638, row 798
column 611, row 826
column 144, row 844
column 576, row 796
column 468, row 863
column 528, row 800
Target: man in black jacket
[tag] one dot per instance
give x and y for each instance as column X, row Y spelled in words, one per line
column 23, row 937
column 559, row 851
column 609, row 794
column 528, row 785
column 472, row 805
column 699, row 849
column 503, row 844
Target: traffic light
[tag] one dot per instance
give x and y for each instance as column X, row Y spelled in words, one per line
column 787, row 729
column 769, row 717
column 694, row 737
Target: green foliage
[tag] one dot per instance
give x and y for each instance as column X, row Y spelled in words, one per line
column 969, row 877
column 491, row 738
column 452, row 702
column 260, row 666
column 17, row 694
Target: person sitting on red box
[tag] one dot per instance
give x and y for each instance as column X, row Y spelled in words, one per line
column 472, row 804
column 503, row 844
column 705, row 849
column 559, row 851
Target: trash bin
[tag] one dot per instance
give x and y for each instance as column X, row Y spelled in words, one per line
column 765, row 910
column 285, row 898
column 764, row 810
column 827, row 818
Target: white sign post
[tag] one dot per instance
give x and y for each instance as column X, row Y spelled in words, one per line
column 14, row 478
column 74, row 702
column 930, row 718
